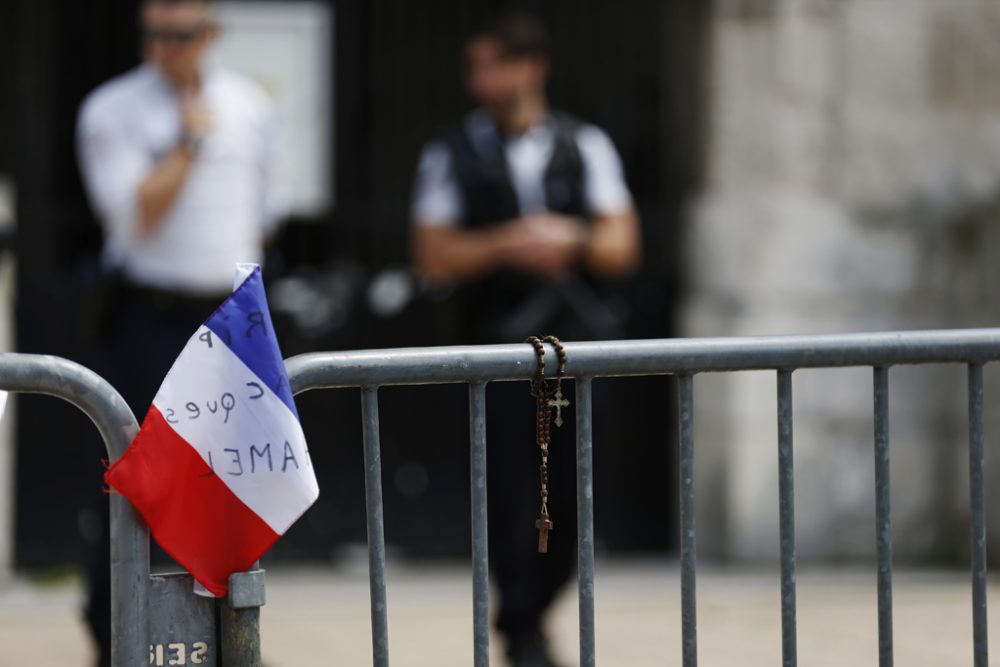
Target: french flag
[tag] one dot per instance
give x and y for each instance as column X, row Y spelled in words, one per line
column 220, row 468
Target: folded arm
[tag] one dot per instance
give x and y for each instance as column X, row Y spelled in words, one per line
column 547, row 245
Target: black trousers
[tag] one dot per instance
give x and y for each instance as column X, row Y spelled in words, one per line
column 528, row 581
column 146, row 331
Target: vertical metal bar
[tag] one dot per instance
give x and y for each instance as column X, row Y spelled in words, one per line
column 240, row 633
column 883, row 522
column 786, row 510
column 689, row 618
column 238, row 617
column 376, row 526
column 977, row 506
column 585, row 518
column 480, row 543
column 129, row 577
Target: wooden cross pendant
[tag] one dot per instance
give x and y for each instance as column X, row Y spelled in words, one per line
column 544, row 525
column 558, row 403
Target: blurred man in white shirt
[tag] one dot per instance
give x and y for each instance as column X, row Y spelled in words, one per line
column 178, row 160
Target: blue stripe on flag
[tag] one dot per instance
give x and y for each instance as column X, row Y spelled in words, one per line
column 243, row 323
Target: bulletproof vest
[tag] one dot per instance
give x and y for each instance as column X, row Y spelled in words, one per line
column 484, row 180
column 508, row 305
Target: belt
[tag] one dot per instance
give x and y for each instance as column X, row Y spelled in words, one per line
column 171, row 300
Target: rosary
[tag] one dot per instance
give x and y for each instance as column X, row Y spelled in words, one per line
column 545, row 400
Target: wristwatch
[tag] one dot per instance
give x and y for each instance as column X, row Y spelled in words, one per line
column 191, row 143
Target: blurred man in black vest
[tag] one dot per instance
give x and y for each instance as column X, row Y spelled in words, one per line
column 526, row 210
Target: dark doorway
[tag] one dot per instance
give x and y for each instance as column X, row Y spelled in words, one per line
column 633, row 67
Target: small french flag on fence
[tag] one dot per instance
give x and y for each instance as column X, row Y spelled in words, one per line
column 220, row 468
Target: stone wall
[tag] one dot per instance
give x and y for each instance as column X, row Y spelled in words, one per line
column 853, row 185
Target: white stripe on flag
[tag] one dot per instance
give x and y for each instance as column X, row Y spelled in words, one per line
column 243, row 271
column 240, row 428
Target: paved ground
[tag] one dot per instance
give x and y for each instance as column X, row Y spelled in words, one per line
column 320, row 617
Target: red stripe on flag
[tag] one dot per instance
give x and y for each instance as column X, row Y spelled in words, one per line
column 191, row 513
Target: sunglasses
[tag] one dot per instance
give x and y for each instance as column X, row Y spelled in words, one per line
column 173, row 37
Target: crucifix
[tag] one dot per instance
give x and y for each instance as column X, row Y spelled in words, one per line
column 544, row 525
column 559, row 403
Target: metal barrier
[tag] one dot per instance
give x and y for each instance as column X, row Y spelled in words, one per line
column 156, row 619
column 368, row 370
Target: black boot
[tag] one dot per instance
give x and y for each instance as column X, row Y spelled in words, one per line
column 529, row 650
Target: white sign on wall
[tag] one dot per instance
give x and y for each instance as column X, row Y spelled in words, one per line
column 287, row 48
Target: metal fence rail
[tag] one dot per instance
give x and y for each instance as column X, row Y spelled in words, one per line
column 37, row 374
column 476, row 366
column 155, row 618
